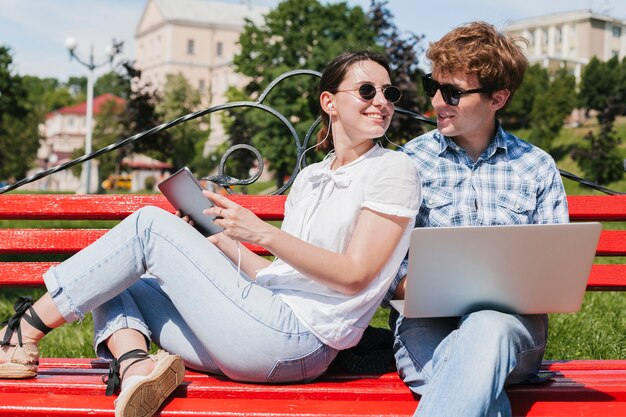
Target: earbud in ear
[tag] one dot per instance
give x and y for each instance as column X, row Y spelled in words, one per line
column 331, row 106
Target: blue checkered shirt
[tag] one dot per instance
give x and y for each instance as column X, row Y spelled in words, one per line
column 513, row 182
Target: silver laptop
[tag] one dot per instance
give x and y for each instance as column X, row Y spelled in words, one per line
column 523, row 269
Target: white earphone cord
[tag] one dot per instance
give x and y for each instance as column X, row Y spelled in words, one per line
column 330, row 121
column 393, row 143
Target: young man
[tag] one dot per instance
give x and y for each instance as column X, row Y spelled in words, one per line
column 474, row 173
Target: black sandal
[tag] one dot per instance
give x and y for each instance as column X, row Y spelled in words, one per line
column 113, row 379
column 141, row 396
column 25, row 358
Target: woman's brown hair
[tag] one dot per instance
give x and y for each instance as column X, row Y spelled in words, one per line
column 332, row 77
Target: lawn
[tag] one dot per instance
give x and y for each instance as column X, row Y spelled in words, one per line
column 597, row 331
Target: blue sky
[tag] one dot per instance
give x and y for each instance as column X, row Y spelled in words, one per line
column 36, row 30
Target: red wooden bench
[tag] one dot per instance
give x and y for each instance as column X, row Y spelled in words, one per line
column 73, row 386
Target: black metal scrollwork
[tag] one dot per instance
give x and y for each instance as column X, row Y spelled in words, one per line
column 227, row 181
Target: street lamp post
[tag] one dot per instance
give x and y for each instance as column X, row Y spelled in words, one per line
column 112, row 50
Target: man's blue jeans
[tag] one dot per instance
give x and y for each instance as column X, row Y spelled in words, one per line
column 461, row 365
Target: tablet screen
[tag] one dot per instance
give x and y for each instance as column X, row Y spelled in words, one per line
column 184, row 192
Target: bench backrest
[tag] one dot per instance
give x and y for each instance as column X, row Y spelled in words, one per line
column 38, row 242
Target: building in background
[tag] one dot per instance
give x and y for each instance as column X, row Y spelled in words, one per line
column 198, row 39
column 64, row 131
column 571, row 39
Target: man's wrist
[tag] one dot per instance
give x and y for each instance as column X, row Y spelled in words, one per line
column 399, row 294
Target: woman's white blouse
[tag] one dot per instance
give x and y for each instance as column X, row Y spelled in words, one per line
column 323, row 208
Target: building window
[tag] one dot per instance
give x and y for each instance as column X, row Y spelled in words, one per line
column 220, row 49
column 558, row 35
column 544, row 37
column 190, row 47
column 201, row 87
column 617, row 31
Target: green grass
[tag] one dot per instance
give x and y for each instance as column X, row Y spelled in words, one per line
column 597, row 331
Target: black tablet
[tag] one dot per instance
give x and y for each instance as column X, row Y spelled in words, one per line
column 184, row 192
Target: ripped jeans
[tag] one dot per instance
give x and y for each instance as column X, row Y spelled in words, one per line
column 156, row 274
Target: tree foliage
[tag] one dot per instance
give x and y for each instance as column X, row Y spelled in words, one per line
column 140, row 115
column 19, row 137
column 108, row 125
column 517, row 114
column 599, row 82
column 600, row 159
column 550, row 108
column 403, row 51
column 296, row 34
column 46, row 94
column 186, row 139
column 307, row 34
column 112, row 82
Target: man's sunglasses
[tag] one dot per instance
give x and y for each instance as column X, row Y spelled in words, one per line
column 451, row 94
column 367, row 91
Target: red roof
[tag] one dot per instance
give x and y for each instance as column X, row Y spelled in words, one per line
column 81, row 108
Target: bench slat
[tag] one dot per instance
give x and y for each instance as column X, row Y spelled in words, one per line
column 58, row 241
column 38, row 241
column 118, row 206
column 597, row 207
column 602, row 277
column 112, row 206
column 596, row 385
column 68, row 405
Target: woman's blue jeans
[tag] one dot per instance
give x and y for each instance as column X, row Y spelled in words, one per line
column 461, row 365
column 156, row 274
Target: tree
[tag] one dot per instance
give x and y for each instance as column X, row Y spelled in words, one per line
column 402, row 51
column 107, row 129
column 517, row 113
column 78, row 87
column 550, row 109
column 19, row 137
column 599, row 82
column 140, row 115
column 114, row 83
column 179, row 99
column 296, row 34
column 600, row 160
column 47, row 94
column 621, row 86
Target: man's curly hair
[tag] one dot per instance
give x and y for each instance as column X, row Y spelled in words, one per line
column 479, row 48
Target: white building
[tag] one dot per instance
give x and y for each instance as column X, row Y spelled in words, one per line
column 198, row 39
column 64, row 131
column 571, row 38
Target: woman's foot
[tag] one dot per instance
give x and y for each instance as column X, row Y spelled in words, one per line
column 18, row 362
column 19, row 355
column 146, row 384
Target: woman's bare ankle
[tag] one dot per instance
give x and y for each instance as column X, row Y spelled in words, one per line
column 140, row 368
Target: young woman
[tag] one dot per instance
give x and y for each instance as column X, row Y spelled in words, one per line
column 154, row 277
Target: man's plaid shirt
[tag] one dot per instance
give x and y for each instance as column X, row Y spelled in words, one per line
column 513, row 182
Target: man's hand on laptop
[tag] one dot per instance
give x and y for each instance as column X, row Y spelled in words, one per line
column 399, row 295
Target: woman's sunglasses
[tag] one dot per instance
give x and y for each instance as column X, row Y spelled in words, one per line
column 367, row 91
column 451, row 94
